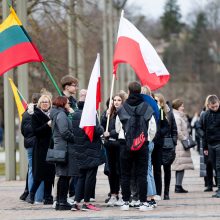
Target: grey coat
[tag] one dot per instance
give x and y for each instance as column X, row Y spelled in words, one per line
column 63, row 140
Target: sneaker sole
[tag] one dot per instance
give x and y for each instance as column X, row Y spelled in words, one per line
column 146, row 210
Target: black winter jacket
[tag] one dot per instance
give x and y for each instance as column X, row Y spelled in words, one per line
column 27, row 130
column 88, row 154
column 41, row 169
column 111, row 127
column 210, row 124
column 168, row 128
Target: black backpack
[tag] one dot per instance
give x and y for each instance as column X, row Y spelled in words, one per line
column 136, row 128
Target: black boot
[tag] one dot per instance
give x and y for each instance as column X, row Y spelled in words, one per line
column 166, row 194
column 208, row 189
column 30, row 198
column 24, row 195
column 179, row 189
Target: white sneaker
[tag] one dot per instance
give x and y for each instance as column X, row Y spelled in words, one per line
column 112, row 201
column 125, row 206
column 38, row 203
column 71, row 200
column 120, row 202
column 134, row 203
column 54, row 204
column 157, row 197
column 145, row 207
column 92, row 199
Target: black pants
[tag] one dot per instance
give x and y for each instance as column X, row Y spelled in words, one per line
column 133, row 183
column 47, row 188
column 214, row 155
column 167, row 178
column 113, row 156
column 62, row 189
column 72, row 186
column 157, row 162
column 86, row 184
column 140, row 159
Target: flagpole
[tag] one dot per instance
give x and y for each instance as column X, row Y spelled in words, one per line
column 110, row 101
column 9, row 4
column 51, row 78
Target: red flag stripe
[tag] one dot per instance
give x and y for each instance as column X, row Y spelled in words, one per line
column 17, row 55
column 134, row 57
column 89, row 130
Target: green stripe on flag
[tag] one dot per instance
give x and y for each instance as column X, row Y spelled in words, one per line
column 12, row 36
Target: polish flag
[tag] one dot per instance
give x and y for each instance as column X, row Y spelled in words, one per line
column 92, row 101
column 133, row 48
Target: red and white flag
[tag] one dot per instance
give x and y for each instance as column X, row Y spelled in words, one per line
column 133, row 48
column 92, row 101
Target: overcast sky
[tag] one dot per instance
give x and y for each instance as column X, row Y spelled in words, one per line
column 155, row 8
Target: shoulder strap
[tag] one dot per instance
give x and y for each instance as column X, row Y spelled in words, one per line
column 53, row 123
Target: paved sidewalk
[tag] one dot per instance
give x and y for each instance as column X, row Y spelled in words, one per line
column 194, row 205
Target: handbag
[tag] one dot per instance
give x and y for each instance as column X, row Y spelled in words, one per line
column 168, row 143
column 188, row 143
column 56, row 156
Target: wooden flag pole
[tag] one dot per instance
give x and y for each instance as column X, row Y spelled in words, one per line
column 110, row 101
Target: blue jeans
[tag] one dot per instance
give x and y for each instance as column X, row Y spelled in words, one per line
column 151, row 188
column 40, row 192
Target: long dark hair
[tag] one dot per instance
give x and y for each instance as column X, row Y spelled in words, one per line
column 113, row 110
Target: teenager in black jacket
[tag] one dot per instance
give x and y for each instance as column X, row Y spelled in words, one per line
column 167, row 129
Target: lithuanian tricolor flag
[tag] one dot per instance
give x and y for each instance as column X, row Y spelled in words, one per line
column 16, row 46
column 19, row 99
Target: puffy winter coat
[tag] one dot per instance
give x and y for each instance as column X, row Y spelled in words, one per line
column 183, row 160
column 88, row 154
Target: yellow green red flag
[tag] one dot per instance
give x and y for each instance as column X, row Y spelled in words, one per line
column 19, row 99
column 16, row 46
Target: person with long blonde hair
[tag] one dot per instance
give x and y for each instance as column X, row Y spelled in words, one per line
column 167, row 131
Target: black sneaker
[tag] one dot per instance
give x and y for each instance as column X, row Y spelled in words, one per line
column 208, row 189
column 75, row 207
column 24, row 195
column 48, row 201
column 30, row 199
column 153, row 203
column 63, row 206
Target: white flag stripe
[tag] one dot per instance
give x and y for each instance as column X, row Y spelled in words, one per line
column 89, row 111
column 150, row 56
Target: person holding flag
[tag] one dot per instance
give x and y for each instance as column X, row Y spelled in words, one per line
column 88, row 131
column 88, row 157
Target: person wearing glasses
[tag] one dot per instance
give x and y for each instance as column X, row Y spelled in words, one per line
column 42, row 171
column 70, row 88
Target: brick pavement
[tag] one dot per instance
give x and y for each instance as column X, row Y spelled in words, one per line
column 194, row 205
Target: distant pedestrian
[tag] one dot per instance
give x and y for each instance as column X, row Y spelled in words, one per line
column 183, row 160
column 211, row 138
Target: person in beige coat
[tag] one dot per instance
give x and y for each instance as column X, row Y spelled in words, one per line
column 183, row 160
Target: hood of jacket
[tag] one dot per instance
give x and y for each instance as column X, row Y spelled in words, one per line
column 55, row 111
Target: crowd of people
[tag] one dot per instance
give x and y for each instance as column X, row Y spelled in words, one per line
column 137, row 134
